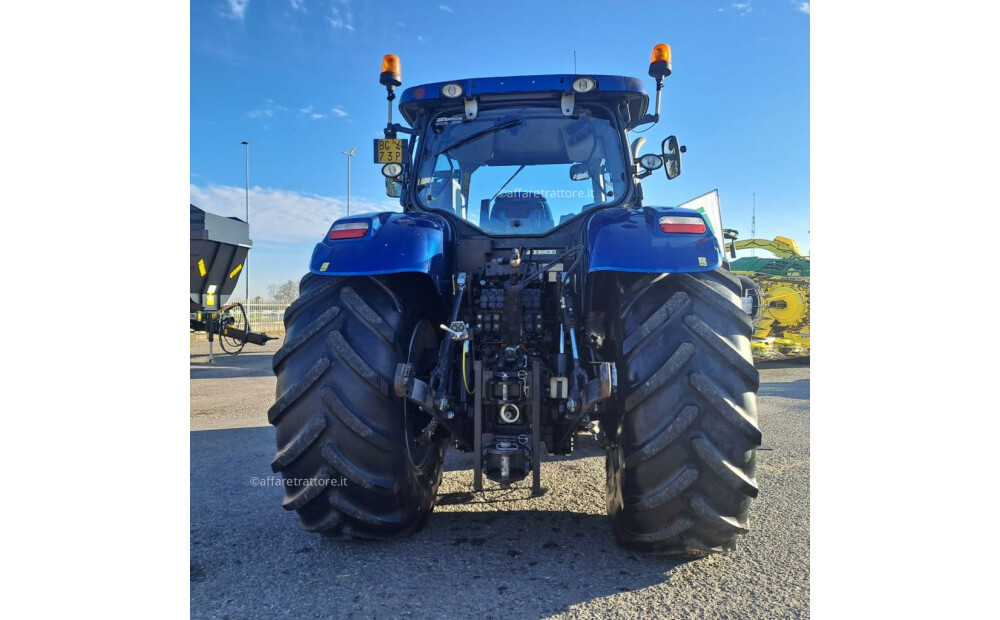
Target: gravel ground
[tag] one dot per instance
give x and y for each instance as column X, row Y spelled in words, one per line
column 501, row 554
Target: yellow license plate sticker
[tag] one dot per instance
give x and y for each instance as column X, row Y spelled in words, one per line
column 389, row 151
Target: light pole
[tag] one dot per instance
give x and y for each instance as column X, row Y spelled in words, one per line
column 349, row 154
column 246, row 263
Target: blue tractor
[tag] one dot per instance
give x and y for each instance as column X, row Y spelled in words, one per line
column 524, row 294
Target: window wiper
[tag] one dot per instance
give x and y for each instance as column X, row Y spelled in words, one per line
column 505, row 125
column 508, row 182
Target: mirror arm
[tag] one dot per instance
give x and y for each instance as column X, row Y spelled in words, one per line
column 650, row 118
column 392, row 129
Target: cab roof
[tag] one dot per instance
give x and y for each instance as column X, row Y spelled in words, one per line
column 526, row 88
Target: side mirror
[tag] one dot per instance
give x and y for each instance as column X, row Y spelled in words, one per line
column 579, row 172
column 672, row 156
column 393, row 188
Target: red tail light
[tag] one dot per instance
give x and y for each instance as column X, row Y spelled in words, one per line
column 349, row 230
column 689, row 224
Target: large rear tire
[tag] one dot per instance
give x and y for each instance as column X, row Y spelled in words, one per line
column 680, row 471
column 341, row 431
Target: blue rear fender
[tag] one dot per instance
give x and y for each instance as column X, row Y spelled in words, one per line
column 393, row 243
column 631, row 240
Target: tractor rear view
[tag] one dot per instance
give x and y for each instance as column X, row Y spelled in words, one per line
column 525, row 293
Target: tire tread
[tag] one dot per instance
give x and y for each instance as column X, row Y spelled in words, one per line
column 335, row 418
column 681, row 468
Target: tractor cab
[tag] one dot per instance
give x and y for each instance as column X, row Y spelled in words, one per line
column 520, row 155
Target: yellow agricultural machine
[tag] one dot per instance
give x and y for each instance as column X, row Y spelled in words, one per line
column 776, row 296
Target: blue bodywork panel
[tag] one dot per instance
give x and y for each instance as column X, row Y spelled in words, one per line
column 624, row 240
column 608, row 86
column 395, row 243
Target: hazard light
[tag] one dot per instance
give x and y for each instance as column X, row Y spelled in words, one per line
column 659, row 61
column 391, row 75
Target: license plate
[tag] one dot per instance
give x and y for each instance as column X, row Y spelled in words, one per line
column 389, row 151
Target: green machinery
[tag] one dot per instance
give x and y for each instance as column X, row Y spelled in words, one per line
column 776, row 296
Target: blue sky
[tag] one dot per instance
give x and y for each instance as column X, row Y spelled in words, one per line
column 298, row 79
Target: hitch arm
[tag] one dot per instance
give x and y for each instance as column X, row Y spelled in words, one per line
column 407, row 386
column 437, row 379
column 594, row 392
column 431, row 396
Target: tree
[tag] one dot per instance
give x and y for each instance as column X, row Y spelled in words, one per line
column 287, row 292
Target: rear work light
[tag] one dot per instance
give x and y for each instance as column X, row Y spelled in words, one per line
column 690, row 224
column 584, row 84
column 349, row 230
column 451, row 90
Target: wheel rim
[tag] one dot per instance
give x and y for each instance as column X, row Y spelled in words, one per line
column 423, row 355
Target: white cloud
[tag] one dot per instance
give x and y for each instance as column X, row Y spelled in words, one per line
column 743, row 7
column 445, row 8
column 803, row 6
column 268, row 111
column 341, row 18
column 283, row 216
column 237, row 8
column 339, row 111
column 308, row 112
column 298, row 5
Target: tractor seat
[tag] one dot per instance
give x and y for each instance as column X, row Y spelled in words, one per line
column 520, row 213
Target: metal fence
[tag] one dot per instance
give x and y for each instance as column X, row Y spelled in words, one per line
column 265, row 316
